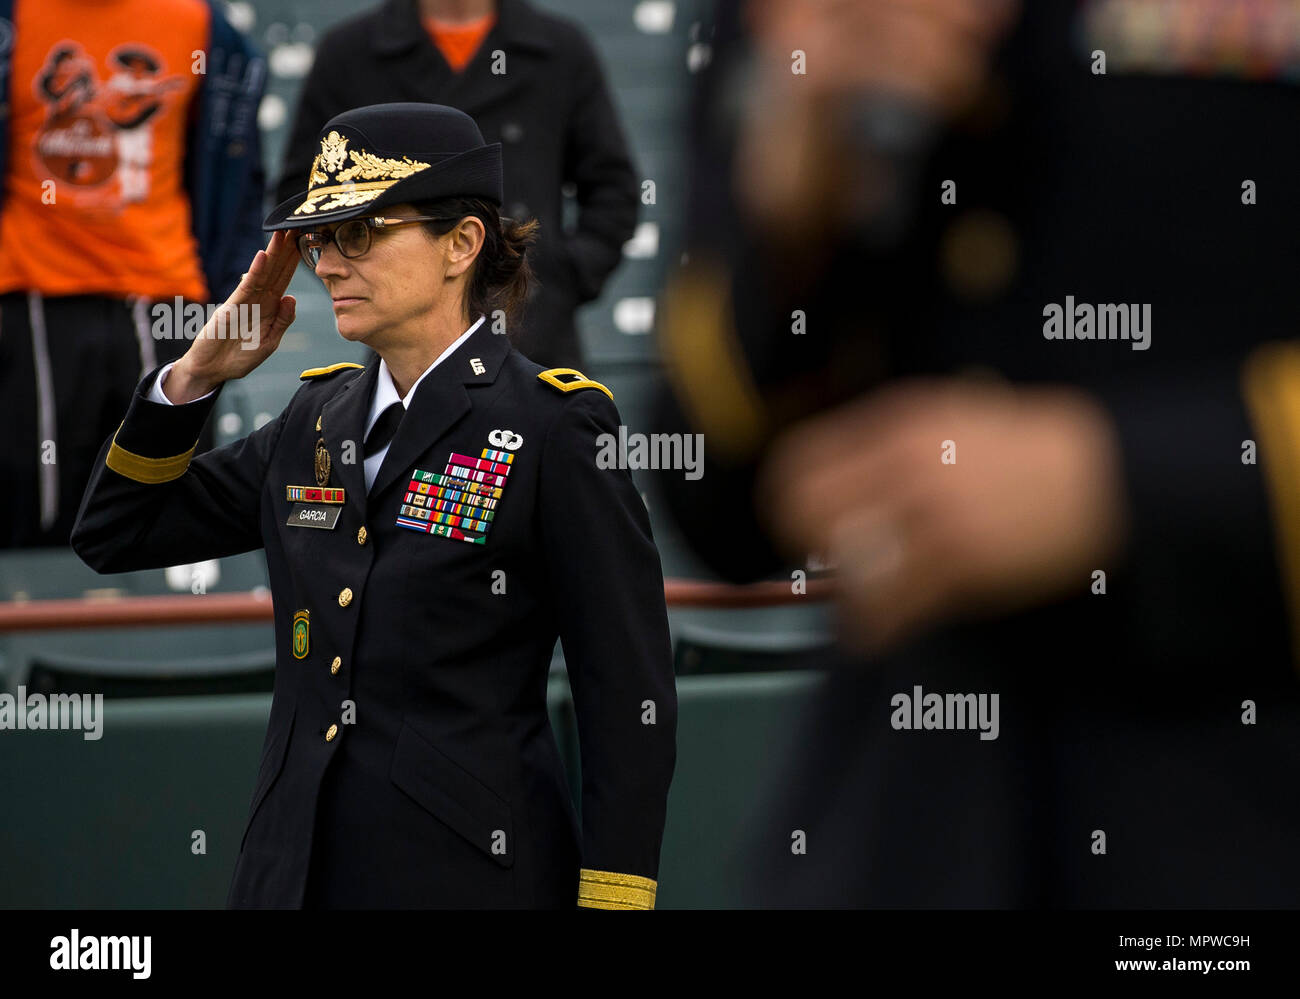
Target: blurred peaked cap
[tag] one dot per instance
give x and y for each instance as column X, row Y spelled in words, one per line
column 386, row 154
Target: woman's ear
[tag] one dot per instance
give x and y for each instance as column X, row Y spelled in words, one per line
column 463, row 245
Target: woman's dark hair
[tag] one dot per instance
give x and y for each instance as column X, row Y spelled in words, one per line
column 502, row 275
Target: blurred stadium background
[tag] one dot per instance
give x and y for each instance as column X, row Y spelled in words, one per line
column 109, row 823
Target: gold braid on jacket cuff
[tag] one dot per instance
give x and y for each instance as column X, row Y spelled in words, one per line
column 1271, row 384
column 611, row 890
column 150, row 471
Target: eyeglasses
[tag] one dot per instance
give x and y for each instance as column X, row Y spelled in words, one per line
column 353, row 236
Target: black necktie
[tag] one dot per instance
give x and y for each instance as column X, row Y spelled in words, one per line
column 384, row 429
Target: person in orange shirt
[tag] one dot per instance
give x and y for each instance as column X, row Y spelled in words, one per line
column 108, row 142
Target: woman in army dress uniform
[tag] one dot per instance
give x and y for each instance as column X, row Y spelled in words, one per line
column 432, row 523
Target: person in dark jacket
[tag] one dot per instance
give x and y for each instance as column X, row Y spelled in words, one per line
column 431, row 523
column 533, row 82
column 1022, row 366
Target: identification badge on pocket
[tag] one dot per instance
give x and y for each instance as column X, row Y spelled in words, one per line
column 320, row 515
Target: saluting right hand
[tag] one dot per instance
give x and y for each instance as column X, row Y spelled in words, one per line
column 245, row 330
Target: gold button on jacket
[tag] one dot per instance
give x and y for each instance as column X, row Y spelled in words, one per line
column 345, row 597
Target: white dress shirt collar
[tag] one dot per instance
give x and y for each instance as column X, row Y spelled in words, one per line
column 386, row 391
column 386, row 395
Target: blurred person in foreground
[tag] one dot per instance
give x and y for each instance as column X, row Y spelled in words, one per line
column 432, row 524
column 132, row 179
column 534, row 83
column 1067, row 560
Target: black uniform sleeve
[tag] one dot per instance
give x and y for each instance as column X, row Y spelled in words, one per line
column 608, row 592
column 150, row 503
column 598, row 163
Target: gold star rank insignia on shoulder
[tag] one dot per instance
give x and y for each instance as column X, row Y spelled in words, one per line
column 461, row 501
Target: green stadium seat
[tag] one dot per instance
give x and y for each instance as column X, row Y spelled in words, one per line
column 732, row 733
column 57, row 573
column 699, row 650
column 110, row 823
column 51, row 673
column 120, row 657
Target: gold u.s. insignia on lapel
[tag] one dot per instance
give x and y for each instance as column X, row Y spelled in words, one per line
column 461, row 501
